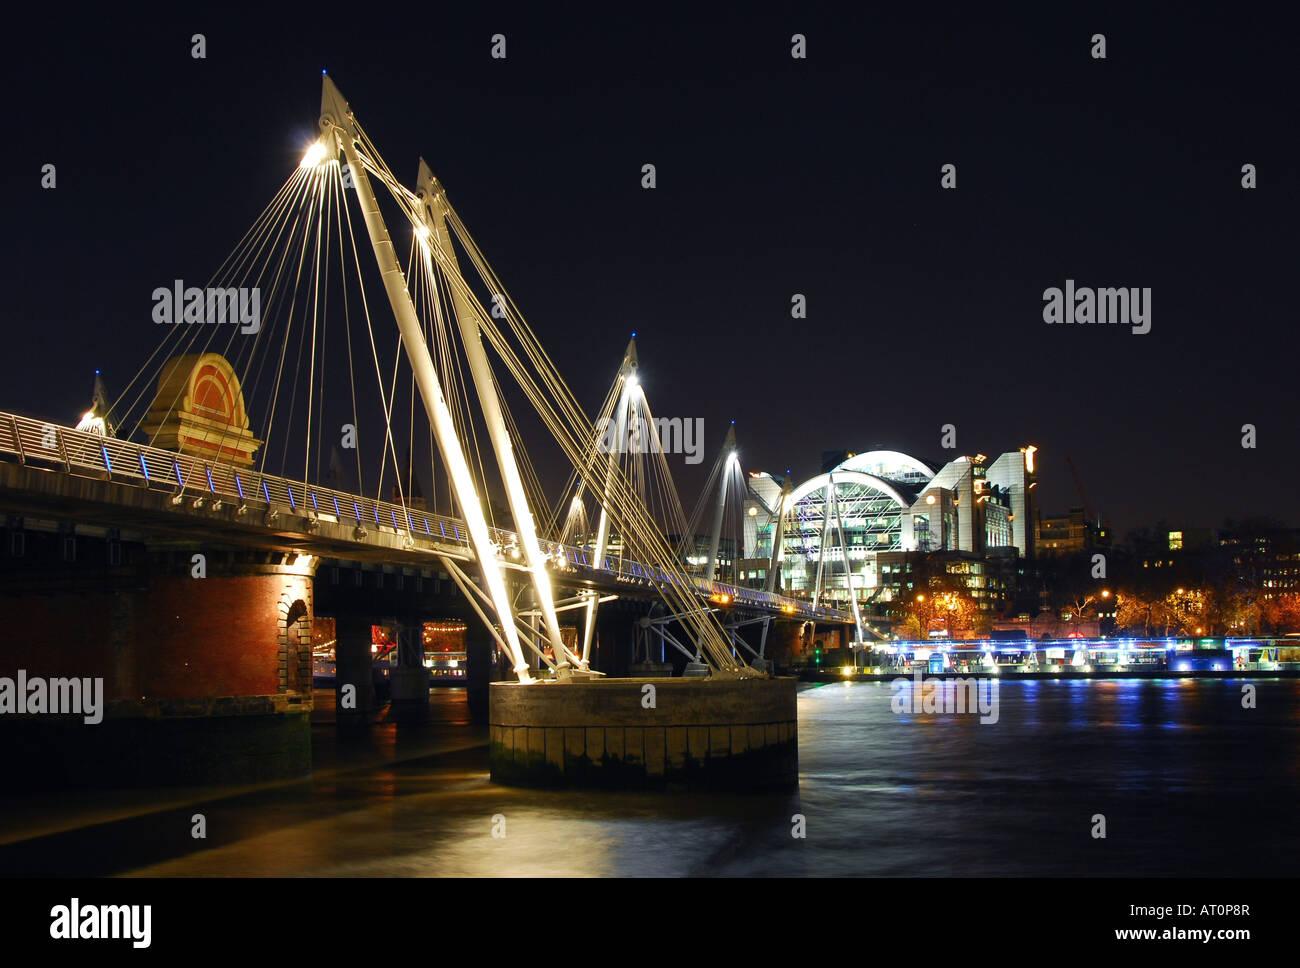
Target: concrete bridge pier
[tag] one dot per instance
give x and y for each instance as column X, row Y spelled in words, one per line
column 480, row 654
column 785, row 642
column 835, row 637
column 696, row 734
column 409, row 680
column 354, row 689
column 615, row 642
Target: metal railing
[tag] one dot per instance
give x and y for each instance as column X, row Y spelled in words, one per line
column 192, row 478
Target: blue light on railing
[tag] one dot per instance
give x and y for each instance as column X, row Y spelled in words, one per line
column 108, row 464
column 314, row 506
column 176, row 465
column 266, row 491
column 239, row 486
column 144, row 467
column 211, row 487
column 337, row 513
column 357, row 510
column 288, row 490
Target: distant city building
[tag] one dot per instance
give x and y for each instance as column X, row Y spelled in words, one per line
column 876, row 511
column 1071, row 532
column 1181, row 547
column 991, row 579
column 1190, row 539
column 695, row 555
column 1049, row 625
column 1264, row 559
column 1261, row 558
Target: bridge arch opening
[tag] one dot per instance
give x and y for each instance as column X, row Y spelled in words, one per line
column 295, row 646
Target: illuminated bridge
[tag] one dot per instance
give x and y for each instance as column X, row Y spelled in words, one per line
column 49, row 468
column 217, row 452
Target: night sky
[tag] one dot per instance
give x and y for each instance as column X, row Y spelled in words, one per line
column 776, row 176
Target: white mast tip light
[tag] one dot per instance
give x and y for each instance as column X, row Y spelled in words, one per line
column 314, row 156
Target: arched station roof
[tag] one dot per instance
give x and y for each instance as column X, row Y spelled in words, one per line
column 888, row 464
column 890, row 489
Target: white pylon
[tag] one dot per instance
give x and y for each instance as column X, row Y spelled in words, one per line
column 728, row 458
column 778, row 539
column 433, row 211
column 337, row 126
column 826, row 535
column 848, row 563
column 628, row 381
column 778, row 556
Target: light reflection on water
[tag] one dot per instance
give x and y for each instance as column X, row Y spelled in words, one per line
column 1189, row 782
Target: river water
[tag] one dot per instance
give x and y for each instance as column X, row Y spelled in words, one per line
column 1189, row 782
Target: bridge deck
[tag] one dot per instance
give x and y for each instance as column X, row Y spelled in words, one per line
column 133, row 482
